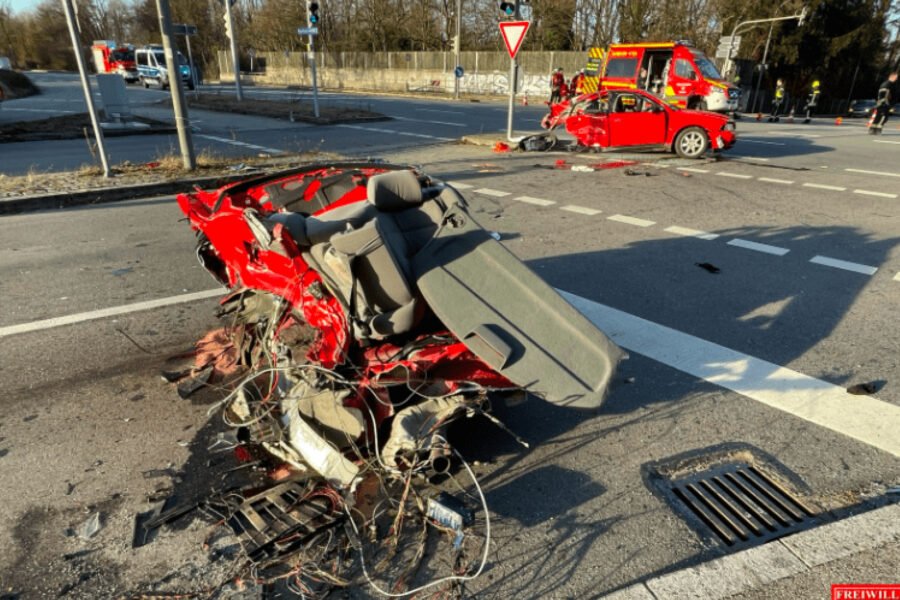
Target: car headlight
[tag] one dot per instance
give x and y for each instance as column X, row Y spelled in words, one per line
column 729, row 126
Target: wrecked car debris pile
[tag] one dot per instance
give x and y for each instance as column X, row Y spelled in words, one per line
column 367, row 311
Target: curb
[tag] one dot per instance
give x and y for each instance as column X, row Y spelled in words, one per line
column 16, row 205
column 760, row 566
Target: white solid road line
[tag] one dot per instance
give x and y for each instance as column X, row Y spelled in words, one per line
column 108, row 312
column 735, row 175
column 766, row 248
column 631, row 220
column 490, row 192
column 692, row 170
column 535, row 201
column 448, row 112
column 746, row 141
column 773, row 180
column 239, row 143
column 687, row 232
column 395, row 132
column 843, row 264
column 885, row 142
column 582, row 210
column 822, row 186
column 864, row 172
column 897, row 277
column 877, row 194
column 864, row 418
column 427, row 121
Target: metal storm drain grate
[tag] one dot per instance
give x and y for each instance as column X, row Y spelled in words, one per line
column 742, row 505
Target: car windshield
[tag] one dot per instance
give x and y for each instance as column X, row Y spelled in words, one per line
column 123, row 55
column 706, row 66
column 161, row 58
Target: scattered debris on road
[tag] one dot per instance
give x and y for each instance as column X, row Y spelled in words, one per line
column 863, row 389
column 360, row 325
column 709, row 267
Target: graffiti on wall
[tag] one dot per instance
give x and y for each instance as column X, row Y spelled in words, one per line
column 497, row 82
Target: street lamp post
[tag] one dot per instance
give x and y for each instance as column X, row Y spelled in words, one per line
column 800, row 18
column 456, row 48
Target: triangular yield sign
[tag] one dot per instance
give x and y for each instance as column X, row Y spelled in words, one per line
column 513, row 33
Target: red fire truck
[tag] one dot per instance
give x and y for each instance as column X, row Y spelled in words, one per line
column 112, row 58
column 675, row 72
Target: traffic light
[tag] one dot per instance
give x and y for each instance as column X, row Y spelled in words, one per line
column 313, row 13
column 508, row 8
column 228, row 31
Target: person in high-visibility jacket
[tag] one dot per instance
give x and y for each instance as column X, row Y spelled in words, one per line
column 577, row 85
column 812, row 100
column 777, row 101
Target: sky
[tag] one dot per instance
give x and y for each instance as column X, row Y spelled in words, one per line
column 18, row 6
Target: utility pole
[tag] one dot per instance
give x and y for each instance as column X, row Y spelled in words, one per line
column 763, row 67
column 182, row 123
column 86, row 85
column 229, row 31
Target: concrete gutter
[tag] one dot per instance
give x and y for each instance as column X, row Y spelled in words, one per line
column 763, row 565
column 19, row 204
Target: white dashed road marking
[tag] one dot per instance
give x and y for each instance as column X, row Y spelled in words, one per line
column 535, row 201
column 821, row 186
column 778, row 181
column 582, row 210
column 734, row 175
column 766, row 248
column 877, row 194
column 843, row 264
column 448, row 112
column 864, row 172
column 864, row 418
column 631, row 220
column 687, row 232
column 460, row 186
column 490, row 192
column 693, row 170
column 885, row 142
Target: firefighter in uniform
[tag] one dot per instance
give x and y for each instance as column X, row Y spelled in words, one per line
column 557, row 81
column 777, row 102
column 812, row 101
column 577, row 86
column 887, row 93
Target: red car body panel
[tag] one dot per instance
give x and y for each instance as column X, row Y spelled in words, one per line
column 654, row 124
column 221, row 218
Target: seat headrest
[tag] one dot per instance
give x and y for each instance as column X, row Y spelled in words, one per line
column 395, row 190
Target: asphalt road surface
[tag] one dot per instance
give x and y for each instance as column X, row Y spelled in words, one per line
column 801, row 223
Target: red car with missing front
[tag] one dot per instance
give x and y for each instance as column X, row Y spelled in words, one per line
column 635, row 119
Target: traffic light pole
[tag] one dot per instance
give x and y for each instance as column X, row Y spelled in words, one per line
column 456, row 47
column 229, row 29
column 86, row 85
column 182, row 123
column 311, row 50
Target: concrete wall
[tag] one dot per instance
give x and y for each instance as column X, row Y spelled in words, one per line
column 485, row 72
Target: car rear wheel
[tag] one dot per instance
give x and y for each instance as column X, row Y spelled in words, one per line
column 691, row 143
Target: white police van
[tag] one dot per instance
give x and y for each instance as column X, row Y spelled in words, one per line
column 152, row 68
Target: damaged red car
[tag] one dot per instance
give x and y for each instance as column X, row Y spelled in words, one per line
column 636, row 120
column 368, row 309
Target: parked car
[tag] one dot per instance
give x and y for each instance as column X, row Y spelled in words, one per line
column 861, row 108
column 638, row 120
